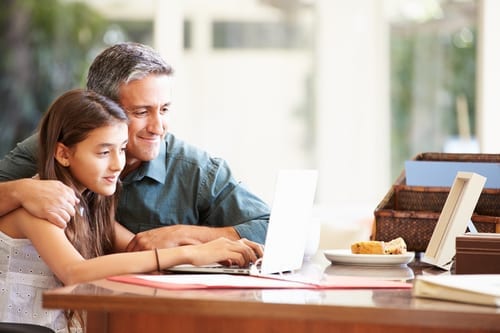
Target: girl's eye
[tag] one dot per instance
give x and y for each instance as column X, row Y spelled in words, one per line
column 104, row 153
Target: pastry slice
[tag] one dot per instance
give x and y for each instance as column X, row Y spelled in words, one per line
column 395, row 246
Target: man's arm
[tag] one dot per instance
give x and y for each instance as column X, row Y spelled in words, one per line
column 50, row 200
column 178, row 235
column 20, row 162
column 232, row 204
column 227, row 209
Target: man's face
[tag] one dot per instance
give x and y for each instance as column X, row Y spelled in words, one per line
column 147, row 103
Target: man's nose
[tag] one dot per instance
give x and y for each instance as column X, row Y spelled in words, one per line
column 157, row 124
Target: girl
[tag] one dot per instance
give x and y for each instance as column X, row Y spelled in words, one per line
column 83, row 137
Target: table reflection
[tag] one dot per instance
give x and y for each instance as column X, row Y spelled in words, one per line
column 399, row 272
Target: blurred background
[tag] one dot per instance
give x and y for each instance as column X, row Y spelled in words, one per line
column 352, row 88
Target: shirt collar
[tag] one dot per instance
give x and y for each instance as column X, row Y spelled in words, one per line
column 155, row 169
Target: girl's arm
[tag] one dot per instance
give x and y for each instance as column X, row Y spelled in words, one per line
column 123, row 236
column 67, row 263
column 70, row 267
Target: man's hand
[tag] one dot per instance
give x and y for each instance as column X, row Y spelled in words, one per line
column 177, row 235
column 47, row 199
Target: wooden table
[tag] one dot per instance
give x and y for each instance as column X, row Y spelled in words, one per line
column 118, row 307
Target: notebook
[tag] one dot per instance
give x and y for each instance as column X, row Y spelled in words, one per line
column 287, row 230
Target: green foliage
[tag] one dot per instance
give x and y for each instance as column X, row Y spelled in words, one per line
column 429, row 71
column 402, row 58
column 47, row 47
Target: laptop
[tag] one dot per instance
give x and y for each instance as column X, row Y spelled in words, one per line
column 287, row 231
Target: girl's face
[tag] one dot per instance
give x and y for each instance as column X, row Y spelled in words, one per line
column 97, row 161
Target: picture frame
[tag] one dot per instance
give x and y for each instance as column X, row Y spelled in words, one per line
column 455, row 215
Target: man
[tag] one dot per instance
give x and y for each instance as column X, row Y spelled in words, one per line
column 173, row 193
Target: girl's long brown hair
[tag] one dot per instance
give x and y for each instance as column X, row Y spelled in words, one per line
column 69, row 120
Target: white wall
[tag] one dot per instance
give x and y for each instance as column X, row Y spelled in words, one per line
column 352, row 101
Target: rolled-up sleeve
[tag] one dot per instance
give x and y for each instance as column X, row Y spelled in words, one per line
column 230, row 203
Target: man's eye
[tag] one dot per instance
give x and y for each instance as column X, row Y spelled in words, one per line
column 140, row 113
column 164, row 110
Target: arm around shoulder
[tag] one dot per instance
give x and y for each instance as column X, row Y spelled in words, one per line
column 46, row 199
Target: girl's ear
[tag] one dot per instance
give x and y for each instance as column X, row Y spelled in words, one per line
column 62, row 154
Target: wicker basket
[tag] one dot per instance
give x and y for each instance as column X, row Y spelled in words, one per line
column 412, row 212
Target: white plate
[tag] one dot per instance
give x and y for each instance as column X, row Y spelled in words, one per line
column 342, row 256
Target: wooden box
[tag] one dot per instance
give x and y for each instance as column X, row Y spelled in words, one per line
column 477, row 254
column 412, row 212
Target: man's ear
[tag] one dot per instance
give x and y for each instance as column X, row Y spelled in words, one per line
column 62, row 154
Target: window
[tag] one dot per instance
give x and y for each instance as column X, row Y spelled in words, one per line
column 257, row 35
column 433, row 67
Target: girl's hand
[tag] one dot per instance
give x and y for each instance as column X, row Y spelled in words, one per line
column 241, row 252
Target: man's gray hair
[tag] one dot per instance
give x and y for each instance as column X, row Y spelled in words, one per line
column 122, row 63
